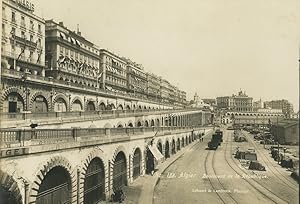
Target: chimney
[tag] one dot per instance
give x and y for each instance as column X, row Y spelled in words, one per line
column 61, row 23
column 78, row 32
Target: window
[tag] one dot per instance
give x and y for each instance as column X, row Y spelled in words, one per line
column 30, row 55
column 39, row 28
column 67, row 52
column 61, row 50
column 13, row 47
column 13, row 16
column 22, row 34
column 39, row 42
column 31, row 38
column 31, row 25
column 2, row 47
column 3, row 29
column 13, row 31
column 23, row 20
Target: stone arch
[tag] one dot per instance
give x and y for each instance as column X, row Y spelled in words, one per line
column 96, row 153
column 102, row 106
column 139, row 123
column 159, row 145
column 178, row 146
column 39, row 93
column 130, row 123
column 157, row 122
column 141, row 159
column 90, row 105
column 120, row 107
column 173, row 146
column 6, row 92
column 120, row 149
column 167, row 148
column 120, row 124
column 107, row 125
column 76, row 99
column 44, row 168
column 127, row 107
column 113, row 106
column 63, row 97
column 152, row 123
column 9, row 183
column 146, row 123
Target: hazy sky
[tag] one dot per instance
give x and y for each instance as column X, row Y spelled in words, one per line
column 212, row 47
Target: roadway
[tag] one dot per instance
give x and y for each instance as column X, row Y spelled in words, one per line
column 192, row 178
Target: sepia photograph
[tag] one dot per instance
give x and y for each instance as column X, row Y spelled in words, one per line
column 149, row 102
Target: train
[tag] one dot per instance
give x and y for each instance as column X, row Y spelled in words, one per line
column 216, row 140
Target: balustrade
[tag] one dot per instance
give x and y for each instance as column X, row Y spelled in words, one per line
column 48, row 136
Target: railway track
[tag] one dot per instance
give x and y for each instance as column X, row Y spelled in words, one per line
column 255, row 184
column 272, row 168
column 216, row 183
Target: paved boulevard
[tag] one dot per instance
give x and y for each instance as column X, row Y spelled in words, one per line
column 185, row 181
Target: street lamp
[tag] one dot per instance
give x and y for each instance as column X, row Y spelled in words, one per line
column 24, row 79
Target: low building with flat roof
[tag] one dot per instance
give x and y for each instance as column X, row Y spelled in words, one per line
column 286, row 131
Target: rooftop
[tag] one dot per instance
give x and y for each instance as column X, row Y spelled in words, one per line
column 287, row 123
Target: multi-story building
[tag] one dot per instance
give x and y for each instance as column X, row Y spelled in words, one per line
column 164, row 90
column 114, row 69
column 240, row 102
column 284, row 105
column 269, row 110
column 136, row 79
column 210, row 101
column 153, row 86
column 183, row 98
column 258, row 105
column 65, row 72
column 22, row 51
column 72, row 59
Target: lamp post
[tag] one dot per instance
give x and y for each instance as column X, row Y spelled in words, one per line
column 24, row 79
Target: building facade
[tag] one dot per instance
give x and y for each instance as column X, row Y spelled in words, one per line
column 136, row 79
column 113, row 72
column 47, row 67
column 258, row 105
column 240, row 102
column 284, row 105
column 22, row 52
column 286, row 131
column 153, row 86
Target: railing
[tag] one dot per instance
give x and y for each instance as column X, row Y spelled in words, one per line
column 105, row 114
column 100, row 91
column 49, row 136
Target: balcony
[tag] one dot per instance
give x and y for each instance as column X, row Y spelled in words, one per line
column 31, row 60
column 23, row 41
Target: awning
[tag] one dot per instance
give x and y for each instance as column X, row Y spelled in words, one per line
column 156, row 153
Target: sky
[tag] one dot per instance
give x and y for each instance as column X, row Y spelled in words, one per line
column 212, row 47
